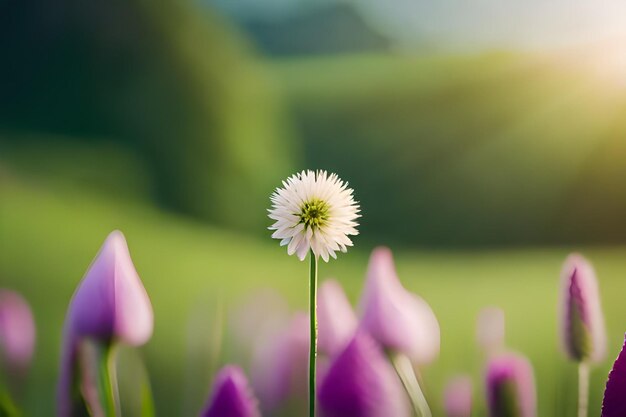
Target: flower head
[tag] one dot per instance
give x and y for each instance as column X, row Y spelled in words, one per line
column 361, row 383
column 337, row 321
column 583, row 334
column 314, row 211
column 510, row 387
column 17, row 332
column 614, row 403
column 458, row 397
column 232, row 396
column 397, row 319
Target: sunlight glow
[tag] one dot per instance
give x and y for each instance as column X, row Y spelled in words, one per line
column 608, row 62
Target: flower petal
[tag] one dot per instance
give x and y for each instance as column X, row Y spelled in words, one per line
column 361, row 383
column 614, row 403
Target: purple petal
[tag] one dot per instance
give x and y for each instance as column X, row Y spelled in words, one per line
column 614, row 403
column 397, row 319
column 361, row 383
column 232, row 396
column 458, row 397
column 17, row 332
column 583, row 334
column 111, row 302
column 510, row 387
column 337, row 321
column 280, row 364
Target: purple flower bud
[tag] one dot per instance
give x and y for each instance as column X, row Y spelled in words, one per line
column 583, row 334
column 458, row 397
column 361, row 383
column 232, row 396
column 490, row 330
column 109, row 305
column 17, row 332
column 614, row 403
column 111, row 302
column 337, row 321
column 397, row 319
column 279, row 364
column 510, row 387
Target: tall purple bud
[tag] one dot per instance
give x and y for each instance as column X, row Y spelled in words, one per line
column 110, row 305
column 510, row 387
column 614, row 403
column 399, row 320
column 458, row 397
column 337, row 321
column 17, row 333
column 583, row 335
column 361, row 383
column 231, row 396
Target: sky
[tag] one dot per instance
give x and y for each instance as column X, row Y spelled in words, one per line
column 469, row 24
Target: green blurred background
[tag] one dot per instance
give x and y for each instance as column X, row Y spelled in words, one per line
column 484, row 143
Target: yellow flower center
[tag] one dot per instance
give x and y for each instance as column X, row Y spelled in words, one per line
column 314, row 213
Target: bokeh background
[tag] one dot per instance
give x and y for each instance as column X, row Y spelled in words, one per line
column 485, row 141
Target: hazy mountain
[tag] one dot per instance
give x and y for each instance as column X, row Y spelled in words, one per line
column 457, row 24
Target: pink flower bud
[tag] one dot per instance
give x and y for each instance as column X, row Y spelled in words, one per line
column 231, row 396
column 111, row 302
column 361, row 383
column 17, row 332
column 337, row 321
column 583, row 334
column 109, row 305
column 510, row 387
column 397, row 319
column 458, row 397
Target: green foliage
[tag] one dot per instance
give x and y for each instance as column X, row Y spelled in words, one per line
column 174, row 84
column 457, row 150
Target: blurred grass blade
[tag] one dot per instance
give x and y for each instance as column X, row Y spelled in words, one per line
column 147, row 400
column 7, row 406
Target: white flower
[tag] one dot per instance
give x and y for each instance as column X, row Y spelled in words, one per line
column 314, row 211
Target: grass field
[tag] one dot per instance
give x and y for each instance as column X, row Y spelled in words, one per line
column 466, row 143
column 49, row 234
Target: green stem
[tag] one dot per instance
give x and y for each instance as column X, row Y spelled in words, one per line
column 109, row 392
column 405, row 371
column 583, row 388
column 313, row 328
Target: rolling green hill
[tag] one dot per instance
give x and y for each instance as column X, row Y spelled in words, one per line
column 489, row 149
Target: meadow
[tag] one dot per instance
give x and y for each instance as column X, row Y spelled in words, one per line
column 481, row 170
column 51, row 233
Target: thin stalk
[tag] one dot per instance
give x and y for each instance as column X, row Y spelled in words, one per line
column 110, row 395
column 313, row 328
column 583, row 388
column 405, row 371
